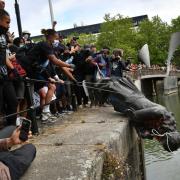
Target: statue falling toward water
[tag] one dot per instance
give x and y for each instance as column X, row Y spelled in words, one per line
column 151, row 120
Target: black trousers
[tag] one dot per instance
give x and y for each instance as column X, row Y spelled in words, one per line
column 17, row 160
column 8, row 101
column 80, row 94
column 90, row 79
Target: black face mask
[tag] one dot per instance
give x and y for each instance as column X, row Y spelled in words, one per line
column 3, row 30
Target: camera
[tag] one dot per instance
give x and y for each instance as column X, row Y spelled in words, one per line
column 25, row 128
column 75, row 38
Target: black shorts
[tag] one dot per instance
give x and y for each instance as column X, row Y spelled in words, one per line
column 19, row 89
column 39, row 85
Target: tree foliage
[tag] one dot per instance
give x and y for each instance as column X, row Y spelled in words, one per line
column 87, row 39
column 117, row 32
column 156, row 34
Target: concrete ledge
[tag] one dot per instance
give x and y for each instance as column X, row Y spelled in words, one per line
column 76, row 148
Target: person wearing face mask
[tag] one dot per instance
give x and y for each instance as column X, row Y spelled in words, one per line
column 7, row 92
column 103, row 61
column 43, row 52
column 27, row 37
column 13, row 164
column 9, row 35
column 118, row 65
column 37, row 61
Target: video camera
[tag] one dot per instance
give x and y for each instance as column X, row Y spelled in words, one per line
column 75, row 38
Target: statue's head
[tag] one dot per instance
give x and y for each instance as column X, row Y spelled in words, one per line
column 170, row 141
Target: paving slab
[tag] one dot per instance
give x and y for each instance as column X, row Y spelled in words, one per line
column 72, row 149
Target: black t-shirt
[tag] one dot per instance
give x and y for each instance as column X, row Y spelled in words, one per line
column 3, row 47
column 89, row 68
column 78, row 61
column 118, row 70
column 36, row 58
column 40, row 52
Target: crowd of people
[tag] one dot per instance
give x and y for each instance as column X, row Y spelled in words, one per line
column 61, row 74
column 53, row 70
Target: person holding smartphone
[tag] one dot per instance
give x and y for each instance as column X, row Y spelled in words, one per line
column 13, row 164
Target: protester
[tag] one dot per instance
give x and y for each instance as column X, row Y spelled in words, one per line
column 26, row 35
column 18, row 82
column 90, row 70
column 103, row 61
column 7, row 92
column 79, row 61
column 40, row 56
column 118, row 64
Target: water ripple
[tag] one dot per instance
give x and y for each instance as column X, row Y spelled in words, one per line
column 154, row 152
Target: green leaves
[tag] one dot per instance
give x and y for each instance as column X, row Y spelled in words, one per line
column 156, row 34
column 117, row 32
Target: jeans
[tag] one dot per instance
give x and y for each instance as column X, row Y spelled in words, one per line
column 90, row 79
column 19, row 159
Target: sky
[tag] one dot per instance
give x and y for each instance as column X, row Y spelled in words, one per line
column 35, row 14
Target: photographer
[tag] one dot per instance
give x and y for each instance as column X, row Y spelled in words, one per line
column 118, row 64
column 14, row 163
column 73, row 42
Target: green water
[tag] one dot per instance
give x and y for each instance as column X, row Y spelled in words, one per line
column 162, row 165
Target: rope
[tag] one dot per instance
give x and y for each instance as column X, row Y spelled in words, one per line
column 78, row 84
column 29, row 109
column 156, row 133
column 43, row 81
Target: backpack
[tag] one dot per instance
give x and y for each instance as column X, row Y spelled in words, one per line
column 27, row 63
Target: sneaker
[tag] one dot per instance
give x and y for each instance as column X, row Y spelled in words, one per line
column 66, row 112
column 70, row 111
column 48, row 121
column 47, row 116
column 52, row 116
column 80, row 106
column 57, row 114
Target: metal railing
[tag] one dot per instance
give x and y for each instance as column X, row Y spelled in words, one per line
column 144, row 72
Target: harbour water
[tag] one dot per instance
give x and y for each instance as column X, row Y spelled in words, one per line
column 160, row 164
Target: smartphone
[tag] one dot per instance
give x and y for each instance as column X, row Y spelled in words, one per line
column 25, row 128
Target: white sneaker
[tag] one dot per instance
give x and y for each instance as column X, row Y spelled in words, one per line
column 48, row 121
column 48, row 117
column 44, row 116
column 51, row 116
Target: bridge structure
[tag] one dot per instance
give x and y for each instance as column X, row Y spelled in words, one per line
column 148, row 80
